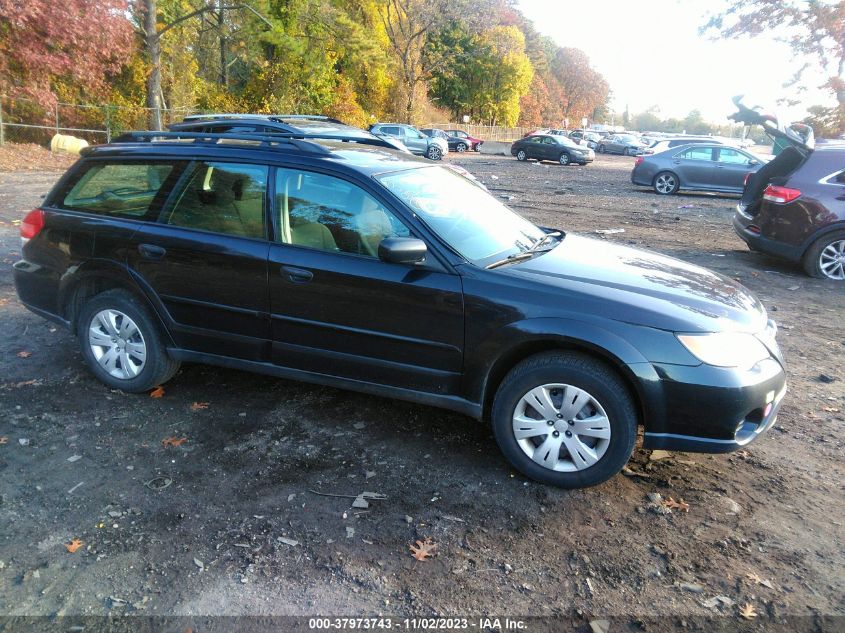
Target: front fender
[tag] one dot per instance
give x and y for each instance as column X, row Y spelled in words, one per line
column 498, row 353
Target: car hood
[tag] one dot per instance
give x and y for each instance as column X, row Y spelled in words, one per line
column 643, row 288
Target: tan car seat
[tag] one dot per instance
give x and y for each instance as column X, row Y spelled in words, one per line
column 372, row 225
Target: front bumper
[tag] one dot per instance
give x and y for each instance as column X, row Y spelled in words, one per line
column 716, row 410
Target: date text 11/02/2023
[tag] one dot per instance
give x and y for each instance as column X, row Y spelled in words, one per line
column 417, row 624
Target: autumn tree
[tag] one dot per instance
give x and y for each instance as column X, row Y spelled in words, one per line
column 815, row 30
column 583, row 87
column 44, row 42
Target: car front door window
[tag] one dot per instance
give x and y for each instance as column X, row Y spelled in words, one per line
column 326, row 213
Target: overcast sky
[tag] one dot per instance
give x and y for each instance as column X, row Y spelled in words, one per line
column 651, row 54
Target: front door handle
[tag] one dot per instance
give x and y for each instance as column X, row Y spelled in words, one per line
column 151, row 251
column 297, row 275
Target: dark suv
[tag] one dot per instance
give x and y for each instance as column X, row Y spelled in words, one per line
column 352, row 265
column 794, row 207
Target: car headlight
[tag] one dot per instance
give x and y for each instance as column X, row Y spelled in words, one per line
column 725, row 349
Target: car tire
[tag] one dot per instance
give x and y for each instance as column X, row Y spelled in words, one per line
column 434, row 153
column 601, row 149
column 628, row 152
column 564, row 158
column 461, row 148
column 600, row 448
column 666, row 183
column 825, row 259
column 132, row 355
column 521, row 155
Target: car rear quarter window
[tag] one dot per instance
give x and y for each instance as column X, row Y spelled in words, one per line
column 134, row 190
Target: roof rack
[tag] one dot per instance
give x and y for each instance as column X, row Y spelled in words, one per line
column 231, row 115
column 300, row 140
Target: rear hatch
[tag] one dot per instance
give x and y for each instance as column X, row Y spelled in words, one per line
column 775, row 172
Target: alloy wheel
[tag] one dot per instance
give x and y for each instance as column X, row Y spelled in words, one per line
column 461, row 148
column 117, row 344
column 832, row 260
column 561, row 427
column 434, row 153
column 665, row 183
column 521, row 155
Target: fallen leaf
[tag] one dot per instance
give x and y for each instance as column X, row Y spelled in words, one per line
column 752, row 578
column 4, row 440
column 199, row 405
column 423, row 549
column 24, row 354
column 747, row 611
column 74, row 545
column 173, row 441
column 158, row 392
column 680, row 504
column 830, row 409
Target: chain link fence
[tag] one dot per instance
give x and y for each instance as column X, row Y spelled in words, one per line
column 26, row 121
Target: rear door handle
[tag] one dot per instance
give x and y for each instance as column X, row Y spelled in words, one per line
column 151, row 251
column 297, row 275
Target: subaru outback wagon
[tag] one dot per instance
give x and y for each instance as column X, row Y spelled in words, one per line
column 352, row 265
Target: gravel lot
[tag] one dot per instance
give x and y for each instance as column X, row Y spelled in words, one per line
column 230, row 522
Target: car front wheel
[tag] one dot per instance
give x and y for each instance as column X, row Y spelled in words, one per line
column 825, row 259
column 434, row 153
column 564, row 159
column 601, row 149
column 461, row 147
column 122, row 344
column 565, row 419
column 666, row 183
column 521, row 155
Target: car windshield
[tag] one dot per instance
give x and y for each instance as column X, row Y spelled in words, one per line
column 565, row 140
column 470, row 220
column 627, row 138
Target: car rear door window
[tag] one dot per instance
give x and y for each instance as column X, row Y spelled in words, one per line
column 330, row 214
column 697, row 153
column 222, row 198
column 121, row 189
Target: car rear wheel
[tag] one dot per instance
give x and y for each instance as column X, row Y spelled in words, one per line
column 666, row 183
column 122, row 344
column 565, row 419
column 564, row 158
column 461, row 147
column 434, row 153
column 521, row 155
column 825, row 259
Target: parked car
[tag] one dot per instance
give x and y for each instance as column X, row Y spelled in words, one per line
column 794, row 209
column 542, row 130
column 456, row 144
column 433, row 148
column 355, row 266
column 661, row 145
column 585, row 137
column 273, row 123
column 626, row 144
column 694, row 167
column 463, row 141
column 547, row 147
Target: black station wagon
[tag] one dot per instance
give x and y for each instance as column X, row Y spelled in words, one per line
column 352, row 265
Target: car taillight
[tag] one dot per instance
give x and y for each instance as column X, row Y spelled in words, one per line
column 32, row 224
column 745, row 180
column 639, row 161
column 774, row 193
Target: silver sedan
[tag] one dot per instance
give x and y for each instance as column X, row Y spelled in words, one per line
column 699, row 167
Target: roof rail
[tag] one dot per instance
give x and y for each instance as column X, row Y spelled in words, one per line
column 235, row 115
column 300, row 140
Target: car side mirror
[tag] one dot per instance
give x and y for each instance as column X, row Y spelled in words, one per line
column 753, row 163
column 402, row 250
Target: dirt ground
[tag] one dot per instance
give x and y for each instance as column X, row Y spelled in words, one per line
column 234, row 520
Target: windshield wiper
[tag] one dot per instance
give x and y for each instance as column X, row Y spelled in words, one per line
column 527, row 254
